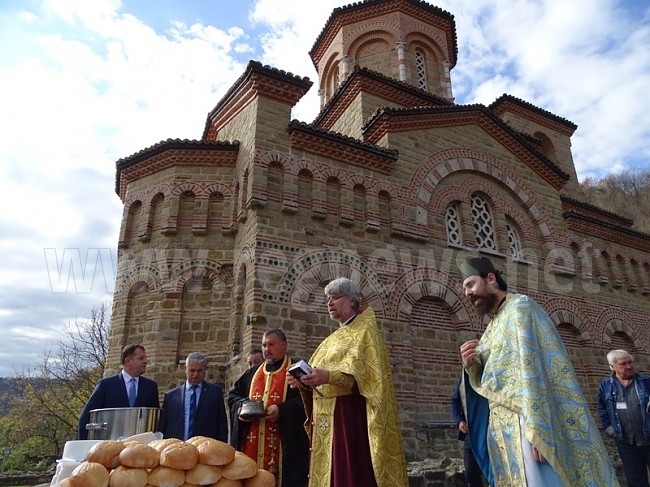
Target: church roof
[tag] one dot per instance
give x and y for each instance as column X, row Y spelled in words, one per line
column 516, row 105
column 201, row 152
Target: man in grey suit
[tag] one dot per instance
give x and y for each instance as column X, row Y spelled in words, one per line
column 195, row 408
column 126, row 389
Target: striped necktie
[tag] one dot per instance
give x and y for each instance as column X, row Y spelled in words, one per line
column 192, row 412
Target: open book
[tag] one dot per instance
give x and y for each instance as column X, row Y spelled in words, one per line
column 299, row 369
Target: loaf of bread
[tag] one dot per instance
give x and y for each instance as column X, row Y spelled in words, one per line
column 139, row 455
column 196, row 440
column 241, row 467
column 224, row 482
column 203, row 474
column 262, row 478
column 215, row 452
column 166, row 477
column 181, row 456
column 106, row 452
column 89, row 474
column 160, row 445
column 128, row 477
column 63, row 483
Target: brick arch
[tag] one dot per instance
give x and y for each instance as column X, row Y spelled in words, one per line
column 614, row 320
column 140, row 197
column 165, row 189
column 447, row 196
column 357, row 180
column 428, row 282
column 416, row 40
column 184, row 272
column 148, row 274
column 440, row 165
column 305, row 165
column 305, row 275
column 335, row 173
column 379, row 30
column 475, row 185
column 329, row 70
column 186, row 186
column 245, row 259
column 574, row 239
column 221, row 188
column 383, row 186
column 562, row 310
column 264, row 158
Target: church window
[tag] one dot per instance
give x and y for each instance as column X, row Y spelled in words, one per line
column 452, row 222
column 483, row 229
column 421, row 70
column 514, row 243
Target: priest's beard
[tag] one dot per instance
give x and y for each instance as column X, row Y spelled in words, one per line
column 486, row 304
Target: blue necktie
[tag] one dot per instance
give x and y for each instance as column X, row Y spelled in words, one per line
column 192, row 411
column 132, row 392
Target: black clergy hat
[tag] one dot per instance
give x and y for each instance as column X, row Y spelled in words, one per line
column 476, row 266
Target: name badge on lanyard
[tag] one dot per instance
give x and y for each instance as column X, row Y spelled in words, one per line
column 621, row 405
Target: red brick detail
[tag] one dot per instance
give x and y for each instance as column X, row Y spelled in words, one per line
column 387, row 122
column 584, row 224
column 533, row 114
column 364, row 13
column 364, row 81
column 341, row 148
column 146, row 166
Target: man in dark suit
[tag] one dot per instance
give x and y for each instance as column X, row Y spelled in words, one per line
column 196, row 408
column 126, row 389
column 473, row 474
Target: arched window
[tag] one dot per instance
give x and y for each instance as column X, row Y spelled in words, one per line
column 452, row 222
column 514, row 243
column 421, row 69
column 483, row 229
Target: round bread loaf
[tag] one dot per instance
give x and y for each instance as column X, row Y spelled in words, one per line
column 107, row 453
column 215, row 452
column 63, row 483
column 181, row 456
column 89, row 474
column 224, row 482
column 262, row 478
column 160, row 445
column 241, row 467
column 196, row 440
column 139, row 455
column 128, row 477
column 166, row 477
column 203, row 474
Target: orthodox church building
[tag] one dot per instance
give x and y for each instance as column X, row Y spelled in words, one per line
column 392, row 185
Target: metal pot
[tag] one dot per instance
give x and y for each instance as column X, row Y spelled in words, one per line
column 115, row 423
column 252, row 409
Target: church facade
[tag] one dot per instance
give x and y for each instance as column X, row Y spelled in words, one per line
column 391, row 185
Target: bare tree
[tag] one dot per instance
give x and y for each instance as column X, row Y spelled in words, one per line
column 48, row 412
column 626, row 193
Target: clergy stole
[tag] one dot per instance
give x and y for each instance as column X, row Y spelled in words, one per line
column 263, row 440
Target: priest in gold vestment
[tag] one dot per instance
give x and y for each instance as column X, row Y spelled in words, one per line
column 353, row 422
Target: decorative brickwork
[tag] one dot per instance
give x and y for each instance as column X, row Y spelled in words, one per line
column 221, row 240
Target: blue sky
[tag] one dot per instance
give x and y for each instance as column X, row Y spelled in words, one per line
column 84, row 83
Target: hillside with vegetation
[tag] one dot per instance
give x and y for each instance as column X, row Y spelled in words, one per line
column 626, row 193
